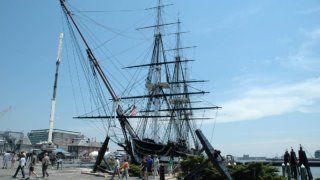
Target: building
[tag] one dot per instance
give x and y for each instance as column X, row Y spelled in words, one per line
column 61, row 138
column 317, row 154
column 14, row 141
column 83, row 147
column 246, row 158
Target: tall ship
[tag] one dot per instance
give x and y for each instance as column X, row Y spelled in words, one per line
column 154, row 115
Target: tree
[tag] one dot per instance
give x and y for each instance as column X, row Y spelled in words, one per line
column 249, row 171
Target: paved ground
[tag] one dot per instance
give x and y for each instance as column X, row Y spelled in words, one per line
column 68, row 173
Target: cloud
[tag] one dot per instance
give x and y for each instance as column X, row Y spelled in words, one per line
column 272, row 100
column 307, row 57
column 229, row 21
column 310, row 10
column 237, row 16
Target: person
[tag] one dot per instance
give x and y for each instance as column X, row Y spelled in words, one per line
column 45, row 164
column 6, row 159
column 170, row 165
column 286, row 158
column 149, row 165
column 304, row 160
column 59, row 163
column 293, row 164
column 32, row 164
column 125, row 169
column 53, row 159
column 143, row 169
column 22, row 163
column 155, row 166
column 116, row 168
column 13, row 160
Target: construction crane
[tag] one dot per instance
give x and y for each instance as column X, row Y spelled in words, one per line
column 5, row 111
column 53, row 100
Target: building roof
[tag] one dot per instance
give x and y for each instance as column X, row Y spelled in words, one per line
column 82, row 142
column 26, row 140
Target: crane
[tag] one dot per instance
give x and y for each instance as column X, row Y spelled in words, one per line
column 53, row 100
column 5, row 111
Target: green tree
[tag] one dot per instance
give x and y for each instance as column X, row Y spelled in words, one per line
column 251, row 171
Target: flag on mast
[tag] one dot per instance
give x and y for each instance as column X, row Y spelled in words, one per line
column 134, row 110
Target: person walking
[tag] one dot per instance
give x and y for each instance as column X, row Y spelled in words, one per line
column 13, row 160
column 22, row 163
column 116, row 168
column 6, row 159
column 32, row 164
column 45, row 164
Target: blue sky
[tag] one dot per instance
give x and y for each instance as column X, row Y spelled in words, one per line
column 261, row 59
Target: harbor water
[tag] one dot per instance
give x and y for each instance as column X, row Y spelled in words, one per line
column 315, row 171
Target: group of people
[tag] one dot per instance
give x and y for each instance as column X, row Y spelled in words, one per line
column 24, row 162
column 9, row 157
column 149, row 167
column 293, row 164
column 124, row 169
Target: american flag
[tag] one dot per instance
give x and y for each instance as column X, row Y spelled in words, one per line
column 134, row 111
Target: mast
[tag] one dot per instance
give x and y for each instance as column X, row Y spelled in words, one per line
column 158, row 74
column 123, row 121
column 53, row 100
column 157, row 81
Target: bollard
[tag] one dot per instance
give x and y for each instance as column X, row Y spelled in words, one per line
column 309, row 172
column 288, row 171
column 161, row 169
column 283, row 170
column 303, row 172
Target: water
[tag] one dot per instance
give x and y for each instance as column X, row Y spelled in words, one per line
column 314, row 170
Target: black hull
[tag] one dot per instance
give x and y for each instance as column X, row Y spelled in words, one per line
column 145, row 147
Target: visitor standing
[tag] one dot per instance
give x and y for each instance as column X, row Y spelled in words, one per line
column 143, row 169
column 293, row 164
column 22, row 163
column 170, row 165
column 125, row 169
column 6, row 159
column 156, row 163
column 304, row 160
column 149, row 165
column 59, row 163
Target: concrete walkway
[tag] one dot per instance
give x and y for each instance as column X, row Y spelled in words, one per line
column 67, row 173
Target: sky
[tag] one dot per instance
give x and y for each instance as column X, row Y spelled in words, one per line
column 261, row 59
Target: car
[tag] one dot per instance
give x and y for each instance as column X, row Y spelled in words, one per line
column 56, row 154
column 62, row 154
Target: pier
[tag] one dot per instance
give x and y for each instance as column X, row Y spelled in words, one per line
column 313, row 162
